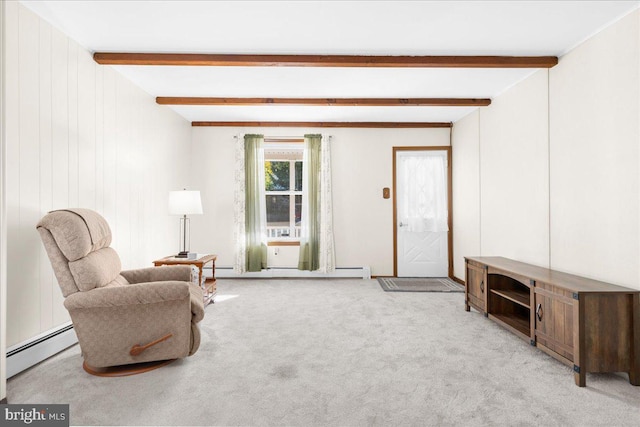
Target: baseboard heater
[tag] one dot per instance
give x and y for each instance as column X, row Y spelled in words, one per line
column 33, row 351
column 344, row 272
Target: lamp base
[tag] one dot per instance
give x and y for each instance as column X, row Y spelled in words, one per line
column 183, row 254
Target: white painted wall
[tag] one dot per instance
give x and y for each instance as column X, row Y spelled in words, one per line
column 466, row 191
column 559, row 163
column 595, row 119
column 514, row 176
column 80, row 135
column 362, row 167
column 283, row 256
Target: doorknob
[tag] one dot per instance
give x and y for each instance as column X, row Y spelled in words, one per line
column 402, row 224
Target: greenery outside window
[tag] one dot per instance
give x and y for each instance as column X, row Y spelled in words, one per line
column 283, row 191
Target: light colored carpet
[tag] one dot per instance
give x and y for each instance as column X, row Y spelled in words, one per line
column 417, row 284
column 339, row 352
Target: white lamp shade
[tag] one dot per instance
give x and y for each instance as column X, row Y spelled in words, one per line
column 185, row 203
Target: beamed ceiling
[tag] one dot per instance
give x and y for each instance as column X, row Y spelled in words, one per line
column 331, row 63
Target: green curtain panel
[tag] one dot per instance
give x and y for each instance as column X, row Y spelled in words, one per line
column 310, row 233
column 255, row 221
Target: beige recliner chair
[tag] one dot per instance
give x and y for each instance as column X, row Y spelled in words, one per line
column 120, row 317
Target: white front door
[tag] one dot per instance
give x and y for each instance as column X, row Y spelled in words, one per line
column 422, row 213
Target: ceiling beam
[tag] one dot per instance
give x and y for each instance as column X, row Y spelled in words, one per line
column 234, row 60
column 338, row 102
column 328, row 124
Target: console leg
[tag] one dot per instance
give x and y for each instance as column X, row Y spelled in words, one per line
column 581, row 379
column 467, row 307
column 634, row 371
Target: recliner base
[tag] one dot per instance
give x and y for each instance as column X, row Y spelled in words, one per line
column 126, row 370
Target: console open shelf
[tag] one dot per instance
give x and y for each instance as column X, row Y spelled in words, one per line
column 517, row 296
column 510, row 303
column 517, row 324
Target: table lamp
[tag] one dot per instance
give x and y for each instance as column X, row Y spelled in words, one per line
column 184, row 203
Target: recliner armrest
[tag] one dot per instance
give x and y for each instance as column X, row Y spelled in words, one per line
column 136, row 294
column 197, row 303
column 158, row 274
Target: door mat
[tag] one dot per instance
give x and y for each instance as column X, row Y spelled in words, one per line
column 418, row 284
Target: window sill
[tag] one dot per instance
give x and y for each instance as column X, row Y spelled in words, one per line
column 283, row 243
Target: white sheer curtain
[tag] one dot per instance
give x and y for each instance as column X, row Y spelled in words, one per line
column 423, row 204
column 239, row 235
column 327, row 251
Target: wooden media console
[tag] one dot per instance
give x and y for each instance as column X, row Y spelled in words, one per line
column 590, row 325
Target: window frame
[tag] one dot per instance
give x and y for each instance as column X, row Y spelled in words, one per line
column 293, row 151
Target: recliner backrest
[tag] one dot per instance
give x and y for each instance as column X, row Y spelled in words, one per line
column 77, row 243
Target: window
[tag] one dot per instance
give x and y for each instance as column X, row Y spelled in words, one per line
column 283, row 190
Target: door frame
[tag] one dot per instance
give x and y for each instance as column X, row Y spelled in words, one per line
column 446, row 148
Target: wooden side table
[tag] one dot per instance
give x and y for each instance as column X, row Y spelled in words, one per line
column 208, row 285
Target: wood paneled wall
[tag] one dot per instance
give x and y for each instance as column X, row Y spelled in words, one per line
column 80, row 135
column 3, row 231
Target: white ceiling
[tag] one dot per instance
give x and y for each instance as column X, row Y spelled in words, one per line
column 519, row 28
